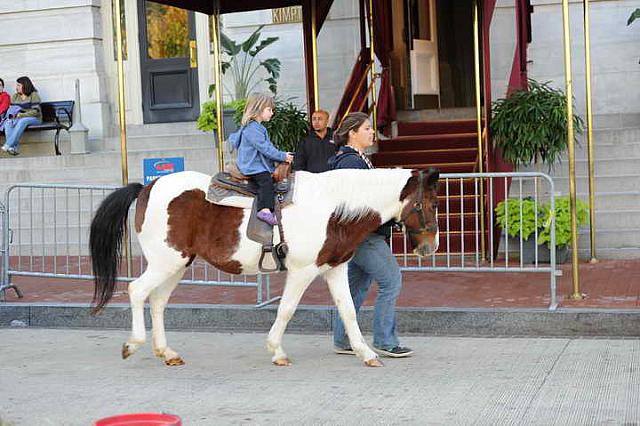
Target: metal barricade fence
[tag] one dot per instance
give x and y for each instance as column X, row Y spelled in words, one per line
column 461, row 237
column 46, row 235
column 45, row 231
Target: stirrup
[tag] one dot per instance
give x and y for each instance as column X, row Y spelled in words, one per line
column 268, row 248
column 281, row 250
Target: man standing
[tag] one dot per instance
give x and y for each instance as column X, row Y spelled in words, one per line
column 317, row 147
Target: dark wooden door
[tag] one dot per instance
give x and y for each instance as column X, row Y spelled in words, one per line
column 168, row 62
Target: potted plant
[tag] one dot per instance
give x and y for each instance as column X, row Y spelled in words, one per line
column 521, row 218
column 243, row 64
column 208, row 119
column 286, row 128
column 530, row 126
column 562, row 213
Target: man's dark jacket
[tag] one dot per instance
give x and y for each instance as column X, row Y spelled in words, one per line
column 313, row 153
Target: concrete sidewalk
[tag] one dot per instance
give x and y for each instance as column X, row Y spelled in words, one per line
column 73, row 377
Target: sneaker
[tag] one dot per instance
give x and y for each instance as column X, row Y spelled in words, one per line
column 267, row 217
column 397, row 352
column 12, row 151
column 5, row 148
column 343, row 351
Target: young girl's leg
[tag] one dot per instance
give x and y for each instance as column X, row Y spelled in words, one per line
column 266, row 202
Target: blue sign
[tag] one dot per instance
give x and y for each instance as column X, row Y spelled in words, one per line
column 158, row 167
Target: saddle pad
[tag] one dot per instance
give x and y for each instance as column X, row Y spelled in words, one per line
column 228, row 197
column 225, row 193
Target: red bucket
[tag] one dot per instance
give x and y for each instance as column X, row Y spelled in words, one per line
column 141, row 419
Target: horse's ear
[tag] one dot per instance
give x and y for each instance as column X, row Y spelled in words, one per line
column 432, row 177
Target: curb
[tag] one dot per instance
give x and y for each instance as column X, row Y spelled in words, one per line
column 314, row 319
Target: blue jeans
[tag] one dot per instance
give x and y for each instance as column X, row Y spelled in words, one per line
column 373, row 260
column 14, row 128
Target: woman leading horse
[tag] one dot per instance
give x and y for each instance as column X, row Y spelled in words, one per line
column 331, row 215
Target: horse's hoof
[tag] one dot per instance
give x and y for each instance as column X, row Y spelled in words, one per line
column 282, row 362
column 125, row 351
column 174, row 361
column 374, row 362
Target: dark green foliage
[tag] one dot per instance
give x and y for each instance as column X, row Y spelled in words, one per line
column 288, row 125
column 531, row 126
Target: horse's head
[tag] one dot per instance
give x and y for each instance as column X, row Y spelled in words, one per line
column 420, row 211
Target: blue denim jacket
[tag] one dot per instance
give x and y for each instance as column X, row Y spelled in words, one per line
column 256, row 153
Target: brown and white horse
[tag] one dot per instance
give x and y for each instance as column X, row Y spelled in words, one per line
column 331, row 215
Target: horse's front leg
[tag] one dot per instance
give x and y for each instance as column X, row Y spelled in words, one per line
column 338, row 281
column 297, row 282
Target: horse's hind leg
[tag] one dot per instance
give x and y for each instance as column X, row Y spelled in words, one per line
column 297, row 282
column 158, row 300
column 338, row 282
column 139, row 290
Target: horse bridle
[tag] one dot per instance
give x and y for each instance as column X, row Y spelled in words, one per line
column 418, row 209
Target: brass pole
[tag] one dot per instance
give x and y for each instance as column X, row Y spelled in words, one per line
column 314, row 50
column 476, row 63
column 121, row 102
column 590, row 158
column 217, row 67
column 373, row 71
column 576, row 295
column 122, row 117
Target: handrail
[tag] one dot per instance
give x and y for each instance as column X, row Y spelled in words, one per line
column 365, row 97
column 357, row 89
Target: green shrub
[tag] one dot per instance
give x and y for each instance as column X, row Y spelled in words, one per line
column 563, row 220
column 515, row 216
column 528, row 209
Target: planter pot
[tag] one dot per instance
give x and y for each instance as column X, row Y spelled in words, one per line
column 229, row 123
column 544, row 254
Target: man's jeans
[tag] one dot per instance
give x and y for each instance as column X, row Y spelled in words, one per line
column 373, row 260
column 14, row 128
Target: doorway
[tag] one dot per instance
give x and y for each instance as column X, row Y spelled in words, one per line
column 433, row 52
column 168, row 63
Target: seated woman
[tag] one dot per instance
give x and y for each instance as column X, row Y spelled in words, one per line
column 27, row 102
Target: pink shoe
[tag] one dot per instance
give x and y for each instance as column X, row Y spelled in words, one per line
column 267, row 217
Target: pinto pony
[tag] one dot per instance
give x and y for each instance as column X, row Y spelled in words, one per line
column 331, row 214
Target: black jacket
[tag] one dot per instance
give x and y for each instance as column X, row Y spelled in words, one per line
column 349, row 158
column 313, row 153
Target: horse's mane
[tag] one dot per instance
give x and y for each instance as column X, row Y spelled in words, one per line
column 355, row 192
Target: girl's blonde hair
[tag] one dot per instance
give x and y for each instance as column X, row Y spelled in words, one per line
column 255, row 105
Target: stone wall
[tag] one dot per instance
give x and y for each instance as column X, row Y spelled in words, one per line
column 55, row 42
column 615, row 52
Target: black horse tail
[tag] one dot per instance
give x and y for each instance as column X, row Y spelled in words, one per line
column 105, row 241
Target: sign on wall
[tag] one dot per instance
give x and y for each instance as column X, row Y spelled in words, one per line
column 287, row 15
column 158, row 167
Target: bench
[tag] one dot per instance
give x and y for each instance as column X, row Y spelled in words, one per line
column 56, row 116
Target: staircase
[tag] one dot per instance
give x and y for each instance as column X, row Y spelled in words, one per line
column 617, row 189
column 451, row 146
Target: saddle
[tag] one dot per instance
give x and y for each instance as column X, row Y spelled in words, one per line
column 232, row 188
